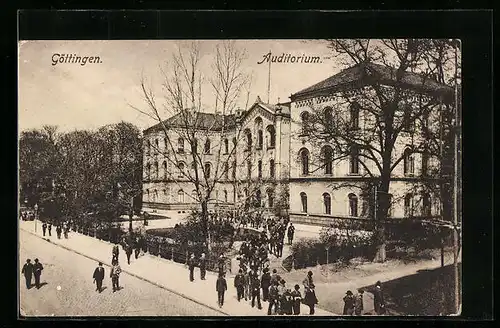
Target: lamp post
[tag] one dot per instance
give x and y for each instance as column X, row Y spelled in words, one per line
column 36, row 214
column 327, row 248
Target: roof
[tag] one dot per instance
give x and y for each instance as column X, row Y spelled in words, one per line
column 203, row 121
column 384, row 74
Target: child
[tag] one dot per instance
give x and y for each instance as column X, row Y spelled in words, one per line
column 287, row 302
column 297, row 299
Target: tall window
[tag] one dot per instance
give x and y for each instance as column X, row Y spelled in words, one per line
column 354, row 160
column 207, row 170
column 258, row 198
column 226, row 146
column 249, row 169
column 408, row 205
column 207, row 146
column 157, row 146
column 180, row 145
column 305, row 122
column 408, row 120
column 165, row 143
column 272, row 168
column 226, row 171
column 353, row 205
column 225, row 196
column 148, row 171
column 327, row 153
column 249, row 140
column 425, row 163
column 147, row 195
column 304, row 161
column 303, row 202
column 180, row 196
column 270, row 198
column 272, row 136
column 354, row 113
column 328, row 119
column 156, row 170
column 260, row 139
column 408, row 162
column 259, row 168
column 426, row 205
column 327, row 203
column 181, row 167
column 148, row 147
column 234, row 170
column 165, row 172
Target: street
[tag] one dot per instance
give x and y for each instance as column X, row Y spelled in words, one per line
column 77, row 295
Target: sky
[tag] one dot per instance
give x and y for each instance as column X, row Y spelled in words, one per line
column 73, row 96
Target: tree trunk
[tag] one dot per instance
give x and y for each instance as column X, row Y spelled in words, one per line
column 204, row 221
column 382, row 202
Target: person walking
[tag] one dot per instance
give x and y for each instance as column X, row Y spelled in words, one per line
column 49, row 228
column 273, row 298
column 98, row 277
column 296, row 299
column 348, row 303
column 137, row 248
column 58, row 231
column 239, row 284
column 128, row 252
column 191, row 264
column 378, row 299
column 358, row 303
column 246, row 282
column 220, row 288
column 203, row 266
column 37, row 272
column 115, row 252
column 28, row 272
column 281, row 296
column 44, row 228
column 255, row 287
column 265, row 283
column 287, row 302
column 291, row 232
column 115, row 276
column 66, row 230
column 310, row 298
column 221, row 263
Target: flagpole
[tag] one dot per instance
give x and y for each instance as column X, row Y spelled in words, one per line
column 269, row 79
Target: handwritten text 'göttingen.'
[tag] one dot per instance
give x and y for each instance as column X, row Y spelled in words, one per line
column 74, row 59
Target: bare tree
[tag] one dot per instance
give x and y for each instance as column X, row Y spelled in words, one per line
column 376, row 121
column 218, row 133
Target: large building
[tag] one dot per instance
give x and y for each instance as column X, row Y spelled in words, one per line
column 275, row 157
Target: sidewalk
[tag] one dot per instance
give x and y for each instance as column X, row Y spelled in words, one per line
column 161, row 272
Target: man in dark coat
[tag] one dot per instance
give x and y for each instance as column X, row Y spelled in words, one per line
column 291, row 232
column 358, row 303
column 348, row 303
column 191, row 264
column 296, row 299
column 98, row 277
column 239, row 283
column 203, row 266
column 128, row 252
column 265, row 283
column 44, row 228
column 255, row 289
column 115, row 276
column 310, row 298
column 50, row 229
column 37, row 272
column 28, row 272
column 58, row 231
column 273, row 298
column 378, row 299
column 115, row 253
column 220, row 288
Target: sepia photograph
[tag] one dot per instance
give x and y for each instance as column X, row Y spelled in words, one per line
column 244, row 178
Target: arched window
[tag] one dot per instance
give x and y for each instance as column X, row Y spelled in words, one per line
column 408, row 162
column 226, row 146
column 249, row 169
column 260, row 139
column 156, row 195
column 270, row 198
column 259, row 169
column 328, row 119
column 226, row 171
column 165, row 144
column 327, row 157
column 156, row 170
column 353, row 205
column 305, row 122
column 272, row 136
column 258, row 198
column 426, row 205
column 148, row 171
column 327, row 203
column 303, row 202
column 181, row 168
column 207, row 146
column 180, row 145
column 180, row 196
column 425, row 162
column 157, row 146
column 304, row 161
column 249, row 139
column 354, row 160
column 354, row 113
column 272, row 168
column 225, row 196
column 148, row 147
column 207, row 170
column 234, row 170
column 165, row 171
column 408, row 205
column 147, row 195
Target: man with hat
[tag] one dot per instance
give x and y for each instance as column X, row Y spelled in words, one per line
column 265, row 282
column 358, row 303
column 44, row 228
column 50, row 229
column 255, row 289
column 378, row 299
column 239, row 283
column 115, row 276
column 191, row 264
column 296, row 299
column 37, row 272
column 203, row 266
column 28, row 272
column 348, row 303
column 99, row 277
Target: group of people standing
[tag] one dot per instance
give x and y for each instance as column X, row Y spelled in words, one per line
column 60, row 229
column 32, row 269
column 353, row 304
column 99, row 274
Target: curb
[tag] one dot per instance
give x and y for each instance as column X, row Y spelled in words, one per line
column 131, row 274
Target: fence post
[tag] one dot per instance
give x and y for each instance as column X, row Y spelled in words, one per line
column 172, row 249
column 159, row 249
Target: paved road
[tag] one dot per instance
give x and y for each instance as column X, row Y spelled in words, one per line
column 77, row 295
